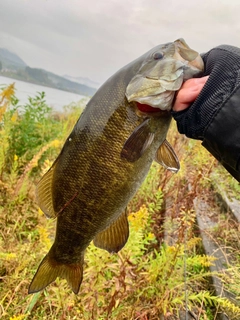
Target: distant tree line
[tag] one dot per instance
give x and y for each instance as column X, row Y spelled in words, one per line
column 45, row 78
column 37, row 74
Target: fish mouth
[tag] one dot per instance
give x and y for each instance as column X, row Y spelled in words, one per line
column 185, row 51
column 157, row 101
column 157, row 80
column 157, row 91
column 191, row 58
column 147, row 109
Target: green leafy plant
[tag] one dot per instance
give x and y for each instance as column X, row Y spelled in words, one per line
column 160, row 273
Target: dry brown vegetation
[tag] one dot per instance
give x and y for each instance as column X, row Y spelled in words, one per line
column 161, row 272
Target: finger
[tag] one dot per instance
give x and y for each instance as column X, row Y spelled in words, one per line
column 188, row 93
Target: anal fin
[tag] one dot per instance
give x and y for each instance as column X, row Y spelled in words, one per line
column 114, row 237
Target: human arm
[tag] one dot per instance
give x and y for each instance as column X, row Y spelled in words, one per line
column 214, row 117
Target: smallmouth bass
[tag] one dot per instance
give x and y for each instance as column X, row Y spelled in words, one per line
column 107, row 156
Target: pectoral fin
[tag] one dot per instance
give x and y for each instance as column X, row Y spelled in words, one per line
column 167, row 157
column 138, row 142
column 114, row 237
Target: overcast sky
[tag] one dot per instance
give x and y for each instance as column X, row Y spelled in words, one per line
column 94, row 38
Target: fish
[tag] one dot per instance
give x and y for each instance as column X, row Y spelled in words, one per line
column 106, row 158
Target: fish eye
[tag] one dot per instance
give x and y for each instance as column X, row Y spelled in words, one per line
column 157, row 56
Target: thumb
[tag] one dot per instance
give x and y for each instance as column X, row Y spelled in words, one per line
column 188, row 93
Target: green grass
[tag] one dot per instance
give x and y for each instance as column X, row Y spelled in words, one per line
column 151, row 278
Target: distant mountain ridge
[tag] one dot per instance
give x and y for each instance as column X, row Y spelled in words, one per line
column 12, row 66
column 82, row 80
column 10, row 59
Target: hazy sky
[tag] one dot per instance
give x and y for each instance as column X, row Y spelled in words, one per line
column 94, row 38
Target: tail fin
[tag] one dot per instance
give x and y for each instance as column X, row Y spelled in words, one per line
column 49, row 270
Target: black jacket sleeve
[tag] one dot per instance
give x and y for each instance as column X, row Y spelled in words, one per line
column 214, row 117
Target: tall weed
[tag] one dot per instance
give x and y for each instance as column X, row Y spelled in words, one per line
column 158, row 274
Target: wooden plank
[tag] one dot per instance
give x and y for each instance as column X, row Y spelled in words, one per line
column 206, row 222
column 232, row 205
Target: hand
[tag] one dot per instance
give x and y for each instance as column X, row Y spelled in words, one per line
column 222, row 65
column 188, row 93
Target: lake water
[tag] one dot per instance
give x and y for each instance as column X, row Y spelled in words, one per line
column 54, row 97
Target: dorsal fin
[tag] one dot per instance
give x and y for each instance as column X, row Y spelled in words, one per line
column 167, row 157
column 44, row 194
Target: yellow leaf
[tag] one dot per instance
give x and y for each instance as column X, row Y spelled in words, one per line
column 14, row 117
column 139, row 219
column 8, row 92
column 7, row 256
column 19, row 317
